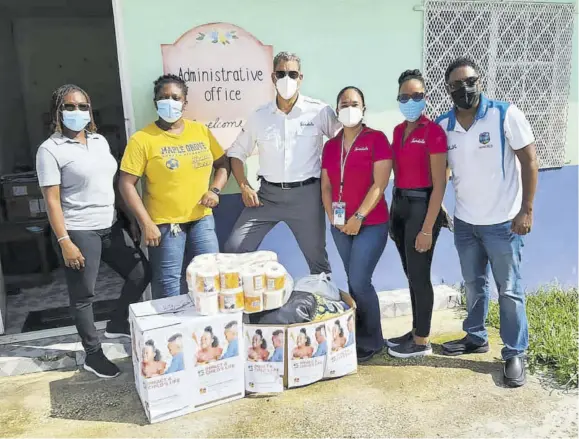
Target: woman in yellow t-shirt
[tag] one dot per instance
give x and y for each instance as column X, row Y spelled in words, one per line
column 175, row 157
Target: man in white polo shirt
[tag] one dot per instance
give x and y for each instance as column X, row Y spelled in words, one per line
column 288, row 133
column 491, row 152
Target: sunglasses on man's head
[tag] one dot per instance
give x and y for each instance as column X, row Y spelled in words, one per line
column 467, row 82
column 416, row 97
column 73, row 107
column 280, row 74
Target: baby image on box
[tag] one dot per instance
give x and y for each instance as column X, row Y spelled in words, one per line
column 343, row 333
column 303, row 345
column 208, row 347
column 261, row 349
column 153, row 363
column 232, row 337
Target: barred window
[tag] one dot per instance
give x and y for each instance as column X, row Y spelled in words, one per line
column 524, row 52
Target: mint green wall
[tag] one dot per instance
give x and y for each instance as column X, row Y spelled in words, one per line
column 366, row 43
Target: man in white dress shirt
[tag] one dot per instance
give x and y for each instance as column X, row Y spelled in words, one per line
column 289, row 136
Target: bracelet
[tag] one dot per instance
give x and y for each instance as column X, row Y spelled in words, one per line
column 62, row 238
column 426, row 234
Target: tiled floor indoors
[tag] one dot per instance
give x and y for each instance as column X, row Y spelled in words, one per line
column 55, row 295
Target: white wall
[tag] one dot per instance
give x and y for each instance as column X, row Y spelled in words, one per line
column 13, row 135
column 55, row 51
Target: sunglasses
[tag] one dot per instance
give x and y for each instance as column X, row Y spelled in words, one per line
column 73, row 107
column 467, row 82
column 280, row 74
column 416, row 97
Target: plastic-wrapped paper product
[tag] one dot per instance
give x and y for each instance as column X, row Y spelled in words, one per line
column 206, row 304
column 231, row 300
column 207, row 280
column 254, row 301
column 273, row 299
column 275, row 276
column 230, row 277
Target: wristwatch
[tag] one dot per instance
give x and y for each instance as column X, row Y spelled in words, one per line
column 215, row 190
column 359, row 216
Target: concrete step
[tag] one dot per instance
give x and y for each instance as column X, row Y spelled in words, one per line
column 22, row 354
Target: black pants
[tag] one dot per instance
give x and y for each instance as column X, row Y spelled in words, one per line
column 114, row 247
column 407, row 216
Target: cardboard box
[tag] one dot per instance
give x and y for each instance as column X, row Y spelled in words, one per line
column 311, row 352
column 184, row 362
column 25, row 208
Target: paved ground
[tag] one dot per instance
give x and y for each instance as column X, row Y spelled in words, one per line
column 434, row 397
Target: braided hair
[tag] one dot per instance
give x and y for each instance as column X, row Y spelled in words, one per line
column 56, row 107
column 411, row 74
column 169, row 79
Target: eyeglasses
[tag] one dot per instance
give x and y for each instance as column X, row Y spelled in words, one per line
column 280, row 74
column 416, row 97
column 72, row 107
column 467, row 82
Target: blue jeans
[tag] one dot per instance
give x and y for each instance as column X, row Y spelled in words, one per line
column 170, row 259
column 496, row 244
column 360, row 255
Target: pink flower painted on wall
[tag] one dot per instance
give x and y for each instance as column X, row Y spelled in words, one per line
column 218, row 36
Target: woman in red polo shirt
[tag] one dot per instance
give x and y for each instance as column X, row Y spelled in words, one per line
column 356, row 166
column 419, row 147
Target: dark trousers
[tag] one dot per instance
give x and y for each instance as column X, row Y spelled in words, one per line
column 407, row 216
column 360, row 255
column 114, row 247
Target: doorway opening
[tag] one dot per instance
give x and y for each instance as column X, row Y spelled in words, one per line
column 45, row 44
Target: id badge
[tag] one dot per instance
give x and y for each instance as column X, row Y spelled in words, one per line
column 339, row 210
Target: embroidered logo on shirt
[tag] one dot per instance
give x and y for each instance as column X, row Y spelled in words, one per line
column 172, row 164
column 361, row 148
column 451, row 147
column 421, row 141
column 306, row 124
column 484, row 138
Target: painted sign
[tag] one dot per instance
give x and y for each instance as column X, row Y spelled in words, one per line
column 228, row 72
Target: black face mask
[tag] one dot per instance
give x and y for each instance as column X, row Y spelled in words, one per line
column 465, row 97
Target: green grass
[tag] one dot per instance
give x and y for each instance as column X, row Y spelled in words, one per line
column 553, row 332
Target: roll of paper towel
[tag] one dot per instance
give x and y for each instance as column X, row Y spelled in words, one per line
column 275, row 276
column 230, row 277
column 206, row 259
column 207, row 304
column 263, row 256
column 253, row 279
column 207, row 280
column 230, row 258
column 273, row 299
column 231, row 300
column 254, row 301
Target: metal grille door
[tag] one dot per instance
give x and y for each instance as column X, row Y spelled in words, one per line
column 524, row 52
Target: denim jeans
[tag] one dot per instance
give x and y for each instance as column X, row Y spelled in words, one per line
column 177, row 248
column 496, row 244
column 360, row 255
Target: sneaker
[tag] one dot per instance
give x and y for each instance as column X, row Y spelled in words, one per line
column 464, row 346
column 100, row 365
column 118, row 329
column 391, row 342
column 364, row 356
column 410, row 349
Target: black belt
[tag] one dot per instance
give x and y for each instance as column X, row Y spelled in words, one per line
column 413, row 193
column 293, row 184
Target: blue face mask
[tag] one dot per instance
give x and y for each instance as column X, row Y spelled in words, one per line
column 412, row 110
column 170, row 110
column 75, row 120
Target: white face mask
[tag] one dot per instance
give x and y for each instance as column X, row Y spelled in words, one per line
column 350, row 116
column 286, row 87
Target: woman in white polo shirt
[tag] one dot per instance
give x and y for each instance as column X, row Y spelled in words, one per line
column 76, row 173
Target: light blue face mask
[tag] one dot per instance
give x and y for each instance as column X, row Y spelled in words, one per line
column 75, row 120
column 170, row 110
column 412, row 110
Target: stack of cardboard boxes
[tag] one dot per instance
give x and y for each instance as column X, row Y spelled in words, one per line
column 22, row 197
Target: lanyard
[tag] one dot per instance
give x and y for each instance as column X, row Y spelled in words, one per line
column 343, row 159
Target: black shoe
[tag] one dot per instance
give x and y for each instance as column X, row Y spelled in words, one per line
column 118, row 329
column 391, row 342
column 364, row 356
column 464, row 346
column 410, row 350
column 100, row 365
column 514, row 372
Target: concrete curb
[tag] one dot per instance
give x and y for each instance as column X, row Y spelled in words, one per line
column 65, row 351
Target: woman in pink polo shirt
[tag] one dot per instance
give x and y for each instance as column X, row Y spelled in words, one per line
column 356, row 166
column 419, row 147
